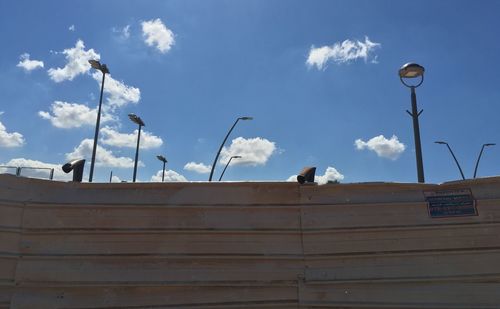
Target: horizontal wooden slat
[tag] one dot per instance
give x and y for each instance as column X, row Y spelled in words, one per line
column 150, row 270
column 432, row 266
column 7, row 268
column 158, row 217
column 446, row 237
column 169, row 242
column 156, row 297
column 449, row 295
column 10, row 215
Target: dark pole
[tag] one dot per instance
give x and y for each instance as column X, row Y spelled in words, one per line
column 110, row 176
column 137, row 153
column 479, row 158
column 416, row 133
column 163, row 175
column 222, row 145
column 454, row 158
column 225, row 168
column 96, row 130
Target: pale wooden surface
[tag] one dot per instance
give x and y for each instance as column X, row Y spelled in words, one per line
column 244, row 245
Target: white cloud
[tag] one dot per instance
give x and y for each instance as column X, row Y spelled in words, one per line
column 118, row 94
column 72, row 28
column 115, row 179
column 114, row 138
column 386, row 148
column 341, row 52
column 331, row 174
column 72, row 115
column 254, row 151
column 156, row 34
column 124, row 32
column 170, row 176
column 77, row 63
column 104, row 157
column 38, row 173
column 27, row 64
column 10, row 140
column 198, row 167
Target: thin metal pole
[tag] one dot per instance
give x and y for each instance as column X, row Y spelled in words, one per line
column 110, row 176
column 163, row 175
column 51, row 174
column 479, row 157
column 220, row 149
column 456, row 161
column 137, row 153
column 225, row 168
column 96, row 130
column 416, row 132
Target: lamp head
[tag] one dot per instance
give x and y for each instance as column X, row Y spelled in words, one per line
column 136, row 119
column 411, row 70
column 162, row 159
column 441, row 142
column 98, row 66
column 236, row 157
column 246, row 118
column 490, row 144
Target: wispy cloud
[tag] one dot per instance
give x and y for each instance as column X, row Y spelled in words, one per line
column 27, row 64
column 156, row 34
column 383, row 147
column 199, row 168
column 72, row 28
column 76, row 63
column 253, row 151
column 124, row 33
column 67, row 115
column 331, row 174
column 104, row 157
column 114, row 138
column 118, row 93
column 10, row 140
column 341, row 52
column 170, row 176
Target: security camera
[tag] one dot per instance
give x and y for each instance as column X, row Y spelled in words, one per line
column 306, row 175
column 77, row 167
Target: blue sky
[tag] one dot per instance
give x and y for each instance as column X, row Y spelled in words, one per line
column 319, row 78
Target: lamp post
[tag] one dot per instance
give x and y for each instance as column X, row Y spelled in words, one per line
column 162, row 159
column 136, row 119
column 479, row 157
column 413, row 70
column 233, row 157
column 223, row 142
column 104, row 70
column 455, row 158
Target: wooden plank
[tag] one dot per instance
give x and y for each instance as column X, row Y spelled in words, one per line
column 404, row 267
column 376, row 240
column 9, row 242
column 389, row 214
column 159, row 217
column 156, row 297
column 7, row 268
column 10, row 215
column 163, row 243
column 449, row 295
column 151, row 270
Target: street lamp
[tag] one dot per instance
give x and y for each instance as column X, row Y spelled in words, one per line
column 223, row 142
column 104, row 69
column 136, row 119
column 162, row 159
column 479, row 157
column 413, row 70
column 455, row 158
column 233, row 157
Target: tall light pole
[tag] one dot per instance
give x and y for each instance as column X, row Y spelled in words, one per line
column 164, row 160
column 104, row 70
column 222, row 145
column 136, row 119
column 233, row 157
column 479, row 157
column 454, row 158
column 413, row 70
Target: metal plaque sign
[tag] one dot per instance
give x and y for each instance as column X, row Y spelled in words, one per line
column 453, row 203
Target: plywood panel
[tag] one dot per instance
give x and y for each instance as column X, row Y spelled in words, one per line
column 149, row 270
column 447, row 237
column 10, row 215
column 7, row 268
column 157, row 297
column 164, row 243
column 9, row 242
column 432, row 265
column 450, row 295
column 159, row 217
